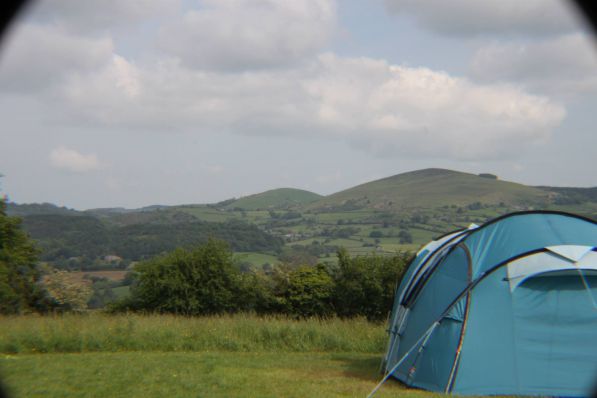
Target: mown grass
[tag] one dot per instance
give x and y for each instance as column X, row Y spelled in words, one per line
column 197, row 374
column 240, row 333
column 98, row 355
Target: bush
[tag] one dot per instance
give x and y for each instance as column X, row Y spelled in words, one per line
column 365, row 285
column 191, row 282
column 310, row 291
column 405, row 236
column 206, row 281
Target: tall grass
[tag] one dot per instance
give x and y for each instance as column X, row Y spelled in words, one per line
column 128, row 332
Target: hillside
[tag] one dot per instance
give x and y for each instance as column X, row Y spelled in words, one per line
column 26, row 209
column 568, row 195
column 400, row 212
column 431, row 188
column 82, row 242
column 275, row 199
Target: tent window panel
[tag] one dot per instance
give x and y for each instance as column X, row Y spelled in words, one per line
column 426, row 259
column 422, row 279
column 547, row 264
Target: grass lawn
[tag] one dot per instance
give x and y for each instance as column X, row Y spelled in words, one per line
column 197, row 374
column 97, row 355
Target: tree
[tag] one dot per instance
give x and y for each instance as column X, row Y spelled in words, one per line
column 376, row 234
column 310, row 291
column 200, row 281
column 66, row 293
column 405, row 236
column 102, row 292
column 365, row 285
column 475, row 206
column 19, row 276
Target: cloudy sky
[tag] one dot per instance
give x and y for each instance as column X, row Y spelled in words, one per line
column 130, row 103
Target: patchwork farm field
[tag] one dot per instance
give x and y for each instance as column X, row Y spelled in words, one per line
column 160, row 355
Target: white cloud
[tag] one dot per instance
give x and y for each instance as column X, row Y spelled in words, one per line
column 91, row 16
column 561, row 66
column 387, row 109
column 472, row 17
column 38, row 56
column 71, row 160
column 116, row 84
column 397, row 110
column 244, row 34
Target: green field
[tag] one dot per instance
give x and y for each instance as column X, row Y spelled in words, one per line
column 256, row 259
column 95, row 355
column 197, row 374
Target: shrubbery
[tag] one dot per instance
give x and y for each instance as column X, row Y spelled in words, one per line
column 365, row 285
column 199, row 281
column 205, row 281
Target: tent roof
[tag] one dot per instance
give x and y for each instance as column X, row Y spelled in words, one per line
column 504, row 238
column 518, row 233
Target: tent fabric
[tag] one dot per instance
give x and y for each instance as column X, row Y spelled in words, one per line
column 515, row 301
column 546, row 263
column 571, row 252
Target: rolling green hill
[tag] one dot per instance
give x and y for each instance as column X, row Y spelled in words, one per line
column 431, row 188
column 275, row 199
column 296, row 226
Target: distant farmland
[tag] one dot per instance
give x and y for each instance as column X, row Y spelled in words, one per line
column 113, row 275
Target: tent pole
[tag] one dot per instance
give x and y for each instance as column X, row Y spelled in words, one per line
column 423, row 339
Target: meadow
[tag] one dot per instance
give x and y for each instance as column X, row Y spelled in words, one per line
column 93, row 355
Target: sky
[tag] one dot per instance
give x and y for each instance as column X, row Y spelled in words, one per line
column 109, row 103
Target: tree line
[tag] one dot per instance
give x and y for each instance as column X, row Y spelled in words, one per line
column 205, row 281
column 76, row 242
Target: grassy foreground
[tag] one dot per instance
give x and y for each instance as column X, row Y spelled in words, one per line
column 168, row 356
column 240, row 333
column 208, row 374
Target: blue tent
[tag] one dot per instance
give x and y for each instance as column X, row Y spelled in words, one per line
column 506, row 308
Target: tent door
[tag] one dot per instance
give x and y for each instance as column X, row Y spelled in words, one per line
column 555, row 326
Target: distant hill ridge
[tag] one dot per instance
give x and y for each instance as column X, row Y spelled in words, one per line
column 433, row 188
column 399, row 212
column 281, row 198
column 428, row 188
